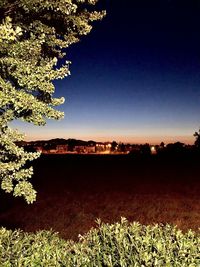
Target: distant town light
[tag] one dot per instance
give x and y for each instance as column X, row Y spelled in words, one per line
column 153, row 150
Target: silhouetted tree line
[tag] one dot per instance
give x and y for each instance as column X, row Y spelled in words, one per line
column 177, row 149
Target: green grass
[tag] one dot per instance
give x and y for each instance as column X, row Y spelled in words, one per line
column 121, row 244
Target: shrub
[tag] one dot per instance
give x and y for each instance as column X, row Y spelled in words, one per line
column 119, row 244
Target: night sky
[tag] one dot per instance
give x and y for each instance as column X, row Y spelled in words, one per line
column 135, row 78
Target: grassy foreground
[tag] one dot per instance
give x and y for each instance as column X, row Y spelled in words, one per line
column 74, row 190
column 120, row 244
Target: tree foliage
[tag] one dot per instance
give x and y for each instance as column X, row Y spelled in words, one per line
column 33, row 35
column 197, row 141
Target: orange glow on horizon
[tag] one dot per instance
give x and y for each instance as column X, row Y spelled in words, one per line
column 124, row 139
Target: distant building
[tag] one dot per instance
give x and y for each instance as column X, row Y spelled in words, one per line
column 62, row 148
column 104, row 148
column 107, row 148
column 89, row 149
column 79, row 149
column 99, row 148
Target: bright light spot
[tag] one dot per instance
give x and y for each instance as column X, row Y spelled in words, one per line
column 153, row 150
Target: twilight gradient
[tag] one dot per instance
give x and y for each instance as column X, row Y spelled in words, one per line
column 135, row 78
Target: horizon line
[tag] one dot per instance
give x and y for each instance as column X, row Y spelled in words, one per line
column 108, row 141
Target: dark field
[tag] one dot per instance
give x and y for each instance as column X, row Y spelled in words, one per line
column 74, row 190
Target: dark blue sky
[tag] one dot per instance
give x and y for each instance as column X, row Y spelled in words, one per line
column 135, row 78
